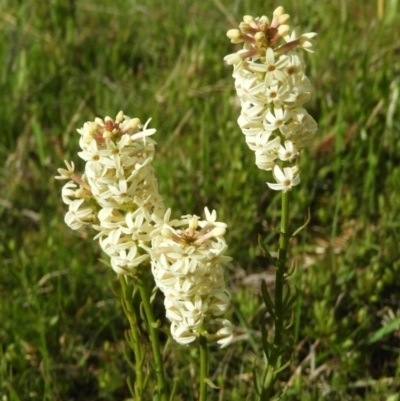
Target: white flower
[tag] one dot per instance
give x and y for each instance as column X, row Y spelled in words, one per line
column 287, row 152
column 277, row 93
column 254, row 114
column 262, row 144
column 182, row 288
column 137, row 226
column 286, row 179
column 68, row 193
column 273, row 69
column 182, row 335
column 195, row 309
column 66, row 174
column 121, row 193
column 276, row 120
column 96, row 159
column 232, row 59
column 305, row 40
column 225, row 334
column 127, row 260
column 78, row 216
column 265, row 161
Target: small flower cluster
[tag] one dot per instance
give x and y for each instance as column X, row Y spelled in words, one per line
column 118, row 192
column 117, row 195
column 272, row 87
column 187, row 263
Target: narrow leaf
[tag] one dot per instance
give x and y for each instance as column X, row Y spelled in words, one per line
column 283, row 367
column 267, row 299
column 156, row 324
column 174, row 388
column 130, row 386
column 291, row 322
column 385, row 330
column 265, row 251
column 211, row 384
column 292, row 268
column 153, row 294
column 304, row 225
column 265, row 342
column 256, row 379
column 38, row 134
column 292, row 300
column 287, row 295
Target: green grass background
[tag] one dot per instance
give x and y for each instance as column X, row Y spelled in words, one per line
column 65, row 62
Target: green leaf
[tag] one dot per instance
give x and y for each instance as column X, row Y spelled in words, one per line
column 266, row 344
column 156, row 324
column 211, row 384
column 292, row 300
column 267, row 299
column 283, row 367
column 13, row 394
column 174, row 388
column 153, row 294
column 142, row 312
column 37, row 133
column 265, row 251
column 292, row 268
column 385, row 330
column 257, row 384
column 304, row 225
column 287, row 295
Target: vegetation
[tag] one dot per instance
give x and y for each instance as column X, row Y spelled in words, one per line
column 66, row 62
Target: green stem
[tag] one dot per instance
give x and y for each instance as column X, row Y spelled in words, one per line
column 280, row 273
column 153, row 333
column 134, row 334
column 203, row 367
column 273, row 363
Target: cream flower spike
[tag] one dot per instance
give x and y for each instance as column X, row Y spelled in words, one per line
column 271, row 84
column 117, row 194
column 187, row 258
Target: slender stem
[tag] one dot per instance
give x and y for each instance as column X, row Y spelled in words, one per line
column 283, row 245
column 135, row 340
column 203, row 367
column 273, row 363
column 153, row 333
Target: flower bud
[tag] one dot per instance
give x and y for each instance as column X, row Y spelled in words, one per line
column 296, row 170
column 248, row 19
column 232, row 59
column 132, row 124
column 283, row 30
column 167, row 233
column 120, row 117
column 283, row 19
column 193, row 223
column 245, row 28
column 235, row 36
column 82, row 193
column 107, row 134
column 278, row 12
column 218, row 231
column 259, row 37
column 263, row 24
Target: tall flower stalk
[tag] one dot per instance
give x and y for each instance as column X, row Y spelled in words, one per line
column 117, row 196
column 187, row 264
column 270, row 81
